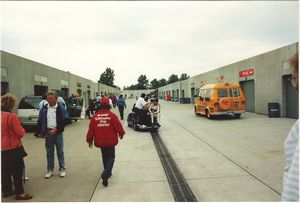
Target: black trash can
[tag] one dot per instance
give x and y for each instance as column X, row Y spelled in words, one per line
column 187, row 100
column 273, row 110
column 181, row 100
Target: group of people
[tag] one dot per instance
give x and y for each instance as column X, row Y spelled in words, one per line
column 145, row 106
column 94, row 105
column 104, row 132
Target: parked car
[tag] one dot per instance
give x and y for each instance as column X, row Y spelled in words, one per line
column 28, row 110
column 76, row 108
column 220, row 99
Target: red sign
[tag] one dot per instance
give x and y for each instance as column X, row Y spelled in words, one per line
column 245, row 73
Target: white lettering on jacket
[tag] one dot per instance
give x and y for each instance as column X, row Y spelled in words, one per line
column 103, row 121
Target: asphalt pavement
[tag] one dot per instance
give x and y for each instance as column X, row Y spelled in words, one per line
column 222, row 159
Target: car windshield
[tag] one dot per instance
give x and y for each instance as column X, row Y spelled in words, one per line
column 30, row 103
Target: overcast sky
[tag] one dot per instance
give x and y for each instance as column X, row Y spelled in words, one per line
column 156, row 39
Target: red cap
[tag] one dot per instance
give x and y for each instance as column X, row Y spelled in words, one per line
column 104, row 101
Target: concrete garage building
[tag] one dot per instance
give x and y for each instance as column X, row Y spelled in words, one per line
column 136, row 93
column 263, row 79
column 23, row 77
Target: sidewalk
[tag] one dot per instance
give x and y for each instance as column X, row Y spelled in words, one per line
column 222, row 160
column 137, row 175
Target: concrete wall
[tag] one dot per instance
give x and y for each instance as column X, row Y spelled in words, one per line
column 22, row 74
column 269, row 69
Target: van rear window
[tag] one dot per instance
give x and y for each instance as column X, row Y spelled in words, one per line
column 234, row 92
column 29, row 103
column 222, row 93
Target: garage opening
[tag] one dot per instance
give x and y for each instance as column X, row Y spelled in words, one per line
column 40, row 90
column 4, row 88
column 249, row 92
column 291, row 99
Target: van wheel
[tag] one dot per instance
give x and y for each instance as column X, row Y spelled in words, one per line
column 237, row 115
column 208, row 115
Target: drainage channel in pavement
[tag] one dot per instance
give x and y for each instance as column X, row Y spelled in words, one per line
column 179, row 187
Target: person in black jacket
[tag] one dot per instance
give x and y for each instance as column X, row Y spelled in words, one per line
column 51, row 123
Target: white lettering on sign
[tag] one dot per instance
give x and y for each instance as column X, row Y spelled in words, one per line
column 245, row 73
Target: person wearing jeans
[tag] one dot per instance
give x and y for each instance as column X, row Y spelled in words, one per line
column 58, row 142
column 121, row 104
column 104, row 130
column 52, row 119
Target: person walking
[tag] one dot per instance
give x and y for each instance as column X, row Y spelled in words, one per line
column 121, row 104
column 52, row 120
column 12, row 152
column 103, row 132
column 290, row 191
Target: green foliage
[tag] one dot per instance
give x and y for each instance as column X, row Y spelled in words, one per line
column 143, row 82
column 108, row 77
column 173, row 78
column 162, row 82
column 154, row 84
column 184, row 76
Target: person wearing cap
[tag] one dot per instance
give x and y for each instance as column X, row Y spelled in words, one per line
column 103, row 132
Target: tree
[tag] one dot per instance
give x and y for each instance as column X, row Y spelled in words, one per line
column 143, row 82
column 184, row 76
column 162, row 82
column 154, row 84
column 107, row 77
column 173, row 78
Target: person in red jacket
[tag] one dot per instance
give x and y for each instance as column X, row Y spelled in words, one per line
column 12, row 163
column 104, row 130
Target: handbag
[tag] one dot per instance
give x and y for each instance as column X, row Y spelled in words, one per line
column 21, row 149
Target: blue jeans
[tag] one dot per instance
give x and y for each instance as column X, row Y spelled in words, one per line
column 108, row 158
column 58, row 141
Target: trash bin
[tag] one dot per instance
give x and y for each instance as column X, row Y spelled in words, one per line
column 187, row 100
column 181, row 101
column 273, row 110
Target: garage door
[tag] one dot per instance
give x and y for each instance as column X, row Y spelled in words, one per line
column 248, row 89
column 292, row 101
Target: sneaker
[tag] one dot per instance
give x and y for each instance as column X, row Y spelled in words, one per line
column 48, row 175
column 105, row 182
column 62, row 173
column 26, row 178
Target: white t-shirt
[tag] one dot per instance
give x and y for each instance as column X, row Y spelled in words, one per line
column 51, row 116
column 140, row 103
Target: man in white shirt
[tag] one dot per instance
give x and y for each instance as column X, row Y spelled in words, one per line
column 52, row 119
column 140, row 103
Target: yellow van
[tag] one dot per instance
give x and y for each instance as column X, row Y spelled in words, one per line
column 220, row 99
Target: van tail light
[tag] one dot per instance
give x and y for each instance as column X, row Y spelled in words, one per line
column 243, row 102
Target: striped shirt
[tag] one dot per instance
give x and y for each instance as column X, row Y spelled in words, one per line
column 290, row 190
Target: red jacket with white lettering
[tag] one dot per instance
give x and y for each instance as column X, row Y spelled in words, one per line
column 104, row 129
